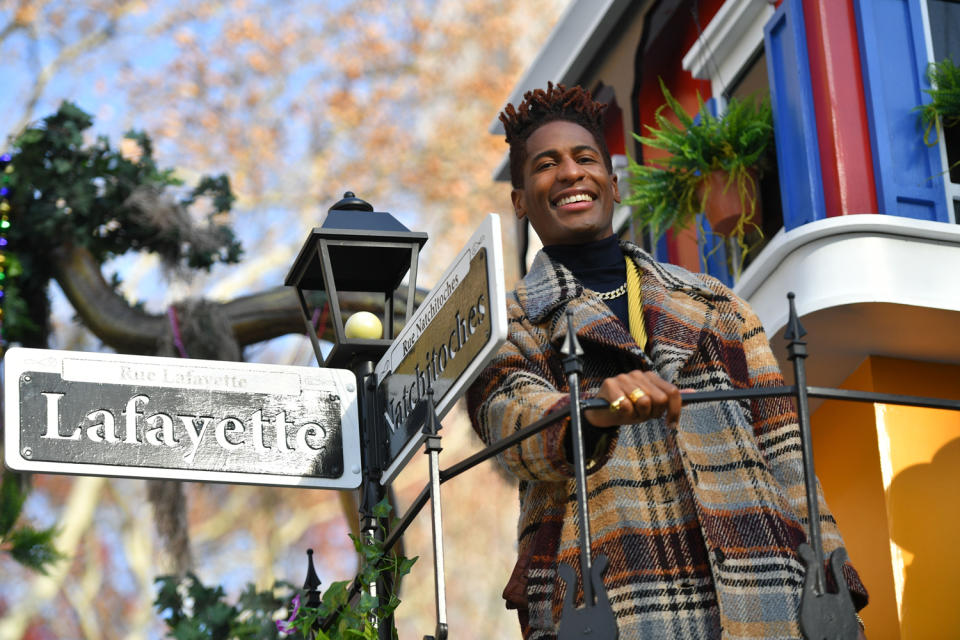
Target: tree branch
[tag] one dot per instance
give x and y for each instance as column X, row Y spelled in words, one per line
column 102, row 310
column 253, row 318
column 66, row 55
column 10, row 27
column 76, row 518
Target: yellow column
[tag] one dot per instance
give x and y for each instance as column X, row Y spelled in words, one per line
column 891, row 475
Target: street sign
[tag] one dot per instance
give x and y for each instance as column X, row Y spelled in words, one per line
column 456, row 330
column 149, row 417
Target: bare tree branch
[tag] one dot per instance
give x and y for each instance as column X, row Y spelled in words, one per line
column 69, row 54
column 8, row 30
column 76, row 518
column 22, row 17
column 101, row 309
column 253, row 318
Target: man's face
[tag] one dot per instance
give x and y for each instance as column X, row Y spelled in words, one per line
column 568, row 194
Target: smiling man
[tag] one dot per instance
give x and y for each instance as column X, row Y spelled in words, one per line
column 699, row 512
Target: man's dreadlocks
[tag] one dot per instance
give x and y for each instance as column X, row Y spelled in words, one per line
column 574, row 104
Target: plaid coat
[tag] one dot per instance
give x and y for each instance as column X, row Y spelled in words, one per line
column 700, row 523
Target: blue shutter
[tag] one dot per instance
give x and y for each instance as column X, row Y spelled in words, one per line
column 713, row 252
column 660, row 249
column 894, row 59
column 794, row 118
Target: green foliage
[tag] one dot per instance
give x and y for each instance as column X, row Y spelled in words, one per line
column 33, row 548
column 669, row 194
column 193, row 611
column 30, row 547
column 944, row 106
column 13, row 493
column 65, row 191
column 15, row 309
column 347, row 608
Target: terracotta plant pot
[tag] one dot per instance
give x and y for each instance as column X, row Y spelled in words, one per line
column 723, row 207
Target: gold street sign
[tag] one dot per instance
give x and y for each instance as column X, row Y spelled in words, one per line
column 454, row 333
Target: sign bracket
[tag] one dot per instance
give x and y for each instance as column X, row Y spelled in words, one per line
column 432, row 448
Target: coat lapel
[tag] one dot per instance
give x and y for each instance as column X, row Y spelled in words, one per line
column 550, row 289
column 676, row 309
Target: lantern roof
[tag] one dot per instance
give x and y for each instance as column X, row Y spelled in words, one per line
column 369, row 250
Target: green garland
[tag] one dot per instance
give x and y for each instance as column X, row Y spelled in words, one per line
column 353, row 618
column 193, row 611
column 61, row 191
column 33, row 548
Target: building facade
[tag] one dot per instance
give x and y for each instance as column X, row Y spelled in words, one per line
column 860, row 220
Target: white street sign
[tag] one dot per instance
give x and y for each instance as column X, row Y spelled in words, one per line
column 150, row 417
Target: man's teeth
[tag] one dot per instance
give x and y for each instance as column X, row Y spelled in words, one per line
column 579, row 197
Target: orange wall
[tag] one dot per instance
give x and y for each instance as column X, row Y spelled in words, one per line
column 891, row 475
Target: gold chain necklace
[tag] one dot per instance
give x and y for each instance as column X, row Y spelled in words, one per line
column 616, row 293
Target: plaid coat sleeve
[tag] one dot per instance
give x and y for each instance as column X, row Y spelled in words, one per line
column 517, row 388
column 522, row 384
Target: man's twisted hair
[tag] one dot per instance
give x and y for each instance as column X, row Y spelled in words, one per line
column 539, row 107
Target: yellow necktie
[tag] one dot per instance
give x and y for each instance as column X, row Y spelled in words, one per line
column 635, row 304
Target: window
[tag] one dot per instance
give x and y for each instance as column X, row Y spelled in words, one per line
column 731, row 55
column 943, row 25
column 752, row 82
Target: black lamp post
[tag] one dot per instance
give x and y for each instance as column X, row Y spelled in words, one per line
column 358, row 249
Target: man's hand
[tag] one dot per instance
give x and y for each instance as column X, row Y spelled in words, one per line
column 634, row 397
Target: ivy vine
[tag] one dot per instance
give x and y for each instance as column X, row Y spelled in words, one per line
column 346, row 610
column 33, row 548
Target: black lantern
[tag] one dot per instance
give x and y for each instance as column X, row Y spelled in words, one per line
column 356, row 249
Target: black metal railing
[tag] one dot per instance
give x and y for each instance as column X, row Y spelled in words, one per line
column 823, row 615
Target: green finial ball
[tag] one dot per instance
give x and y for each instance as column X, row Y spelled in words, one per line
column 363, row 325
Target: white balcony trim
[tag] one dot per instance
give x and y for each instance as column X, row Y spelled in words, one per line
column 869, row 258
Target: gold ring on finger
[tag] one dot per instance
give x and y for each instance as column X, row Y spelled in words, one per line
column 636, row 395
column 615, row 404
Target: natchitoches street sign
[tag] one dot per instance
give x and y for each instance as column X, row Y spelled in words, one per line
column 456, row 330
column 150, row 417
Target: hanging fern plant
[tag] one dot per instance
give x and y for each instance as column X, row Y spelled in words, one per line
column 735, row 147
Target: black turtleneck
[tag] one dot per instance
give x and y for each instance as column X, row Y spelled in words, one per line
column 598, row 265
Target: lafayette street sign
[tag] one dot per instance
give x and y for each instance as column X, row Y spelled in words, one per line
column 149, row 417
column 454, row 333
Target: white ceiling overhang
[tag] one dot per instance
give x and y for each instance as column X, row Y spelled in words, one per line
column 867, row 284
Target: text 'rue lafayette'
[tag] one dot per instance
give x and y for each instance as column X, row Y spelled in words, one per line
column 187, row 431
